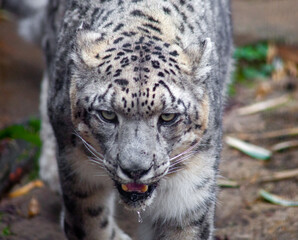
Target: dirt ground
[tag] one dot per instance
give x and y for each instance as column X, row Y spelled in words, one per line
column 241, row 213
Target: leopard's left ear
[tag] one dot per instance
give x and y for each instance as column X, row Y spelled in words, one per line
column 89, row 47
column 200, row 59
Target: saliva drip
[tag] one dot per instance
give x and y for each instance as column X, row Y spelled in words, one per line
column 140, row 220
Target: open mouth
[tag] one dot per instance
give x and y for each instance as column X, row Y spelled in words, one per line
column 132, row 193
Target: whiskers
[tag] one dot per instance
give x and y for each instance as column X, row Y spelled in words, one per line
column 97, row 158
column 177, row 162
column 95, row 161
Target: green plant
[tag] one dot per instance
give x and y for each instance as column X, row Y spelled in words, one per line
column 28, row 132
column 6, row 231
column 250, row 63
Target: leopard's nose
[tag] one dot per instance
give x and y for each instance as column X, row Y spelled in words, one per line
column 134, row 173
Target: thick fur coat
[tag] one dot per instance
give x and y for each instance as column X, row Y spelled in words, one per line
column 132, row 103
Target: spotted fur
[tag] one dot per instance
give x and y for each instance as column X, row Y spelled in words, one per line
column 137, row 61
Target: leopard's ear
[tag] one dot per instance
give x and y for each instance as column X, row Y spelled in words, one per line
column 199, row 59
column 89, row 47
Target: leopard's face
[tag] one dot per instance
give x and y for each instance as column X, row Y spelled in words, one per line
column 135, row 108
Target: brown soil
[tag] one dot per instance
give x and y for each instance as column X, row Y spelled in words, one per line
column 241, row 213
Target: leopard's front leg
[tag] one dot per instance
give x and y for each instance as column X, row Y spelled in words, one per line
column 200, row 229
column 184, row 208
column 88, row 205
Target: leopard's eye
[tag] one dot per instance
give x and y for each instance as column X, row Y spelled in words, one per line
column 168, row 118
column 108, row 116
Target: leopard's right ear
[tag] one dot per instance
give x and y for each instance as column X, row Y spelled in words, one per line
column 89, row 47
column 199, row 59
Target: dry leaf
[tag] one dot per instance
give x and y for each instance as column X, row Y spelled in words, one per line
column 33, row 207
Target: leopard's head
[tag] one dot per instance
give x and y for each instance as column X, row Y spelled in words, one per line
column 141, row 109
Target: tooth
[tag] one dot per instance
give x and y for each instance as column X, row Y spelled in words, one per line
column 124, row 187
column 144, row 188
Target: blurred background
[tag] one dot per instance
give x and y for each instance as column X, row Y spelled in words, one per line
column 258, row 195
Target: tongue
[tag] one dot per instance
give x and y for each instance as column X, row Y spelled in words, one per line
column 135, row 187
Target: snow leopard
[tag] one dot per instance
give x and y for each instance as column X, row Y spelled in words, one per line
column 131, row 104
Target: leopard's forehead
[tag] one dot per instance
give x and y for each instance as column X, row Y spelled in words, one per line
column 134, row 76
column 137, row 62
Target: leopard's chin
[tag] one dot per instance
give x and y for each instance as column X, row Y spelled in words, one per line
column 136, row 196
